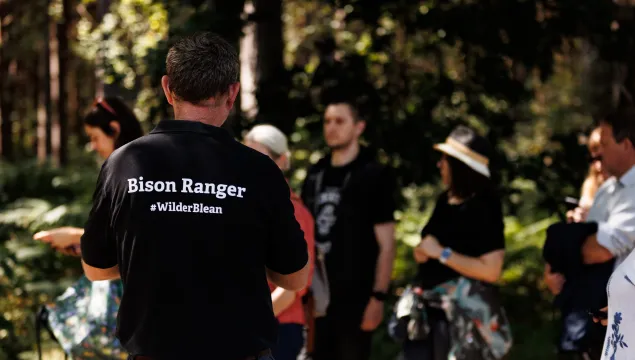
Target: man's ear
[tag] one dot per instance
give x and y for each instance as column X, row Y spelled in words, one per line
column 628, row 145
column 165, row 84
column 116, row 128
column 232, row 93
column 360, row 126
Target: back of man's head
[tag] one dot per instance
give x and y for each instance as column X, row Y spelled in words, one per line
column 201, row 66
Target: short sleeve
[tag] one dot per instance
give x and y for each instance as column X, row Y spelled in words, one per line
column 384, row 193
column 434, row 221
column 286, row 247
column 98, row 245
column 492, row 227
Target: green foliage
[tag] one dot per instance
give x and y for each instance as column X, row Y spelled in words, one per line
column 33, row 198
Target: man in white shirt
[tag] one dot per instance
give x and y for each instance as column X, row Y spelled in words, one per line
column 613, row 210
column 614, row 205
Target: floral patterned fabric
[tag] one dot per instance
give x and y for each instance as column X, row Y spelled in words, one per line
column 84, row 320
column 479, row 328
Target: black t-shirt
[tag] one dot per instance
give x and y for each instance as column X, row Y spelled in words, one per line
column 473, row 228
column 327, row 201
column 347, row 202
column 192, row 217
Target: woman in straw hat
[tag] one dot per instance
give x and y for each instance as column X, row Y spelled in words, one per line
column 461, row 245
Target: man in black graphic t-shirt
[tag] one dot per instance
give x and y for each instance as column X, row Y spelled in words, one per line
column 194, row 235
column 351, row 197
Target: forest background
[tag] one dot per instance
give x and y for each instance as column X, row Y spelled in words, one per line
column 531, row 75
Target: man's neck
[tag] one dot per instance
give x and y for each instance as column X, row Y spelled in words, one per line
column 625, row 170
column 345, row 156
column 198, row 113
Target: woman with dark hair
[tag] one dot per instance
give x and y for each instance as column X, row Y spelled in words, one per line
column 109, row 125
column 460, row 254
column 83, row 319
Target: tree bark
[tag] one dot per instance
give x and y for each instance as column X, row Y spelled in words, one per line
column 103, row 6
column 6, row 100
column 271, row 77
column 248, row 66
column 54, row 105
column 44, row 99
column 63, row 55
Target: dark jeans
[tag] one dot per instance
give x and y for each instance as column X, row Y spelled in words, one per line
column 340, row 339
column 580, row 338
column 290, row 341
column 437, row 345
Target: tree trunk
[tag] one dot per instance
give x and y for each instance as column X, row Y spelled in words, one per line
column 63, row 55
column 103, row 6
column 271, row 76
column 248, row 65
column 6, row 98
column 53, row 125
column 44, row 99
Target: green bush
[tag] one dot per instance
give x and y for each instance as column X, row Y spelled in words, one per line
column 35, row 197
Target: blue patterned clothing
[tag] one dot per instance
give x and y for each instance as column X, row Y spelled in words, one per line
column 619, row 343
column 84, row 320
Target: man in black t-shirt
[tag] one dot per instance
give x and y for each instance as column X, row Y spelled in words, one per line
column 195, row 223
column 351, row 198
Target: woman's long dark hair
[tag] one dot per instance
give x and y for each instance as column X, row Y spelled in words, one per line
column 114, row 109
column 466, row 182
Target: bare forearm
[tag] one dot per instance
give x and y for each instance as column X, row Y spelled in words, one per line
column 385, row 234
column 593, row 252
column 96, row 274
column 383, row 271
column 474, row 268
column 282, row 299
column 295, row 281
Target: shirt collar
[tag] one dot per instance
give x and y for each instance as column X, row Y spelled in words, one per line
column 174, row 126
column 628, row 178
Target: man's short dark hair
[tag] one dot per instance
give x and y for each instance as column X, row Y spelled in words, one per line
column 201, row 66
column 352, row 107
column 623, row 123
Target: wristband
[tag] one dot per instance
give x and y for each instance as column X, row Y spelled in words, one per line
column 379, row 295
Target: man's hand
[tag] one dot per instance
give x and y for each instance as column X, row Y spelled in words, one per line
column 577, row 215
column 430, row 247
column 554, row 282
column 60, row 238
column 372, row 315
column 603, row 321
column 71, row 251
column 420, row 255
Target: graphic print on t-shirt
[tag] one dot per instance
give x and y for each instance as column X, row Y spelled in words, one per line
column 327, row 202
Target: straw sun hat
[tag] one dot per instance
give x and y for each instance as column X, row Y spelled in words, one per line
column 466, row 146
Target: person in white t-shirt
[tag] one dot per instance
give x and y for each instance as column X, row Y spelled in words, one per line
column 621, row 313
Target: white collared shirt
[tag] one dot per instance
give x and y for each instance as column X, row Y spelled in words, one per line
column 614, row 210
column 619, row 343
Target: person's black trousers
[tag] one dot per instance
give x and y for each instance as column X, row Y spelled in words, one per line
column 341, row 339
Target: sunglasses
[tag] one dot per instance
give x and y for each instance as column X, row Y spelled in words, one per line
column 104, row 105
